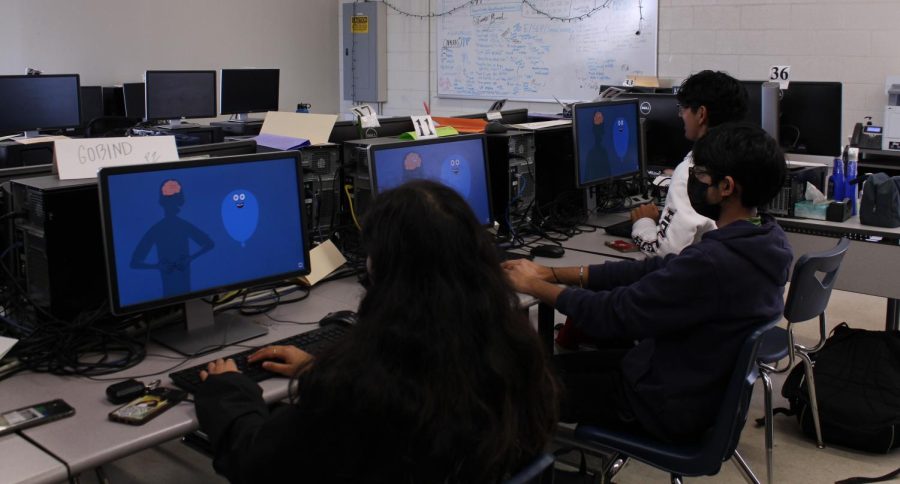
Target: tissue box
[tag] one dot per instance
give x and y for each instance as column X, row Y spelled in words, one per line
column 808, row 209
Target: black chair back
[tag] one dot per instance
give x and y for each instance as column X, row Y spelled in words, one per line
column 809, row 292
column 539, row 471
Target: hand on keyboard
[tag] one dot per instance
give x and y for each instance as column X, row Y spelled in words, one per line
column 281, row 359
column 218, row 367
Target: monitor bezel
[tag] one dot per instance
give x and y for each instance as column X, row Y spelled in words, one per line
column 109, row 250
column 44, row 76
column 642, row 97
column 372, row 149
column 640, row 136
column 213, row 109
column 222, row 107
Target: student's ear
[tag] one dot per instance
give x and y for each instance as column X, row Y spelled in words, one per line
column 702, row 115
column 727, row 186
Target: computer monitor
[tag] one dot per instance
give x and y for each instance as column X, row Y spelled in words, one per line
column 91, row 103
column 607, row 139
column 175, row 232
column 134, row 99
column 113, row 101
column 249, row 91
column 810, row 122
column 31, row 103
column 172, row 95
column 459, row 162
column 809, row 116
column 663, row 141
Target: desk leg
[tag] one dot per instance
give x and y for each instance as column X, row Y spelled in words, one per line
column 892, row 320
column 546, row 315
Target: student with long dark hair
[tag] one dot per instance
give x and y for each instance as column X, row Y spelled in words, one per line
column 443, row 379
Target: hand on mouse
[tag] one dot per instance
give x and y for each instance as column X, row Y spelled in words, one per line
column 648, row 210
column 284, row 360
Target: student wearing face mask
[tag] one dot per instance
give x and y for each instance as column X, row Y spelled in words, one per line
column 706, row 99
column 689, row 313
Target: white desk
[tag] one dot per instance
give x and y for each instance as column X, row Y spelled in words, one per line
column 89, row 439
column 871, row 268
column 22, row 462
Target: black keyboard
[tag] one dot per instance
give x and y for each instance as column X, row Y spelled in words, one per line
column 313, row 342
column 621, row 229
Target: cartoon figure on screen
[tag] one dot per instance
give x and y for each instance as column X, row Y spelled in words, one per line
column 596, row 168
column 240, row 215
column 171, row 236
column 456, row 174
column 621, row 134
column 412, row 167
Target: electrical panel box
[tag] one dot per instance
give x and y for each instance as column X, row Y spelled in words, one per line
column 365, row 51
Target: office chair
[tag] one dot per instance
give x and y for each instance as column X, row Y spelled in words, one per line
column 807, row 298
column 539, row 471
column 717, row 445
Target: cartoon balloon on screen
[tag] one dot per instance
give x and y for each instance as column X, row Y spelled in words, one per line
column 240, row 215
column 456, row 174
column 620, row 137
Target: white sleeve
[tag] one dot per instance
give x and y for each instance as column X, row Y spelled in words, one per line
column 679, row 224
column 643, row 233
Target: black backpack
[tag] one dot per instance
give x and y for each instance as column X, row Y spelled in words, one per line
column 880, row 204
column 857, row 375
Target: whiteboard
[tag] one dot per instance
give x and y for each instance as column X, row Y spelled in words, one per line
column 496, row 49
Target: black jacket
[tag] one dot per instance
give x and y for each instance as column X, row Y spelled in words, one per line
column 691, row 313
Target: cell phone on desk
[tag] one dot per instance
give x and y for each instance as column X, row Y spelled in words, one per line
column 26, row 417
column 622, row 245
column 147, row 407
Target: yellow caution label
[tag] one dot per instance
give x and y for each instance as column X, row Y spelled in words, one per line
column 359, row 24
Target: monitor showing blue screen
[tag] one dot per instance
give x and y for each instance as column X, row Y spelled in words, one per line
column 607, row 140
column 458, row 162
column 177, row 231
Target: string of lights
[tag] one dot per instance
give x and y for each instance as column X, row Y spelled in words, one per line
column 529, row 3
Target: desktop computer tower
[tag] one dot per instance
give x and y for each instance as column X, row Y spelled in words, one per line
column 14, row 154
column 512, row 170
column 59, row 256
column 794, row 188
column 321, row 165
column 356, row 173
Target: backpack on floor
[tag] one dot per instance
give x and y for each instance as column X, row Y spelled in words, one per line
column 857, row 378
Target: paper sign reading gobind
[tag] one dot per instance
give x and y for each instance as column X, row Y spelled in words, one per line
column 82, row 158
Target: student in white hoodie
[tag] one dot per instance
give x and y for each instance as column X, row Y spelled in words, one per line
column 706, row 99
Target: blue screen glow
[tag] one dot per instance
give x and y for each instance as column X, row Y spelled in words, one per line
column 458, row 164
column 187, row 230
column 607, row 138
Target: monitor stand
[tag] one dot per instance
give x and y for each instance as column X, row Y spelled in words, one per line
column 244, row 118
column 204, row 332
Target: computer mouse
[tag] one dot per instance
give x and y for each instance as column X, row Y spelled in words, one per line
column 495, row 127
column 551, row 251
column 345, row 318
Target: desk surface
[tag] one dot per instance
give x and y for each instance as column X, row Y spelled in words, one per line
column 89, row 438
column 22, row 462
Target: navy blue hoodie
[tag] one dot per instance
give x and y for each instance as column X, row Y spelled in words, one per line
column 691, row 313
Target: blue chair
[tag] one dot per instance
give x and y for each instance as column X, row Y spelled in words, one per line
column 705, row 457
column 539, row 471
column 811, row 284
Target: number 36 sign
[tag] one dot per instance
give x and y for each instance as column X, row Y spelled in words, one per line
column 781, row 75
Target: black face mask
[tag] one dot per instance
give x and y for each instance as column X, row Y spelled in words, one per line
column 697, row 195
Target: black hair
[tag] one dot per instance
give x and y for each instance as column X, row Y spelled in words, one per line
column 725, row 97
column 442, row 356
column 747, row 154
